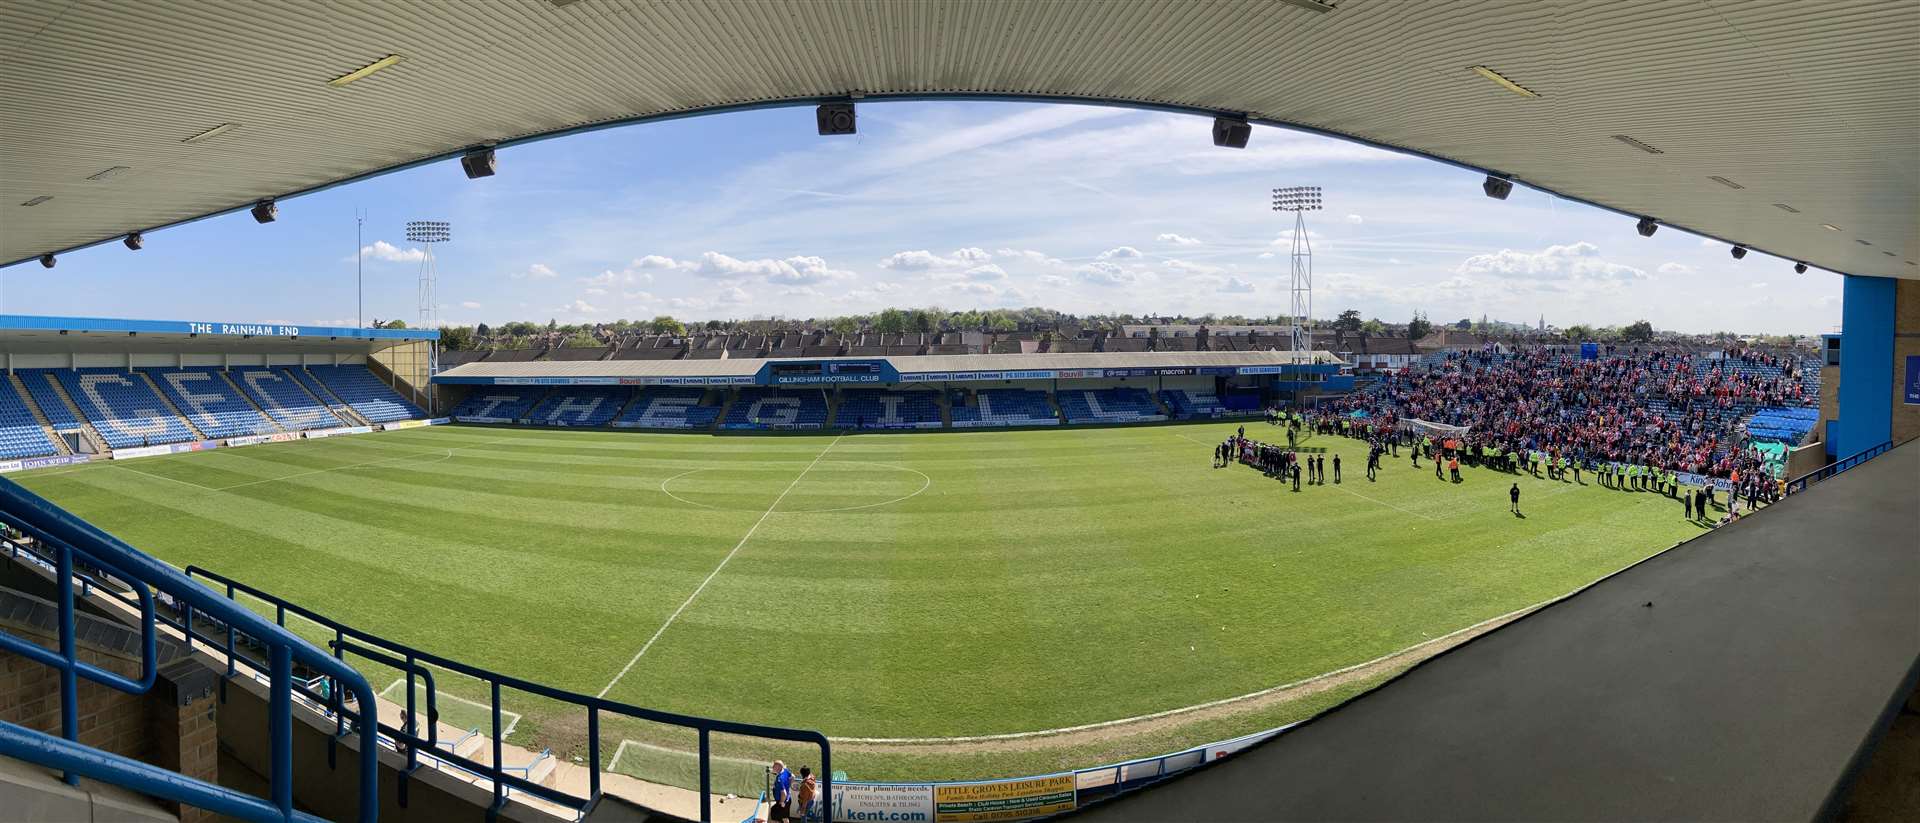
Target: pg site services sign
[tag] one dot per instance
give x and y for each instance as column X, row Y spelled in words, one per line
column 1000, row 800
column 889, row 802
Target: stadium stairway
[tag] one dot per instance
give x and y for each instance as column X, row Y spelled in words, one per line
column 26, row 399
column 324, row 395
column 167, row 403
column 833, row 408
column 244, row 395
column 73, row 417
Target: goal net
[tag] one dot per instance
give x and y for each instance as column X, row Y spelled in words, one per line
column 1433, row 430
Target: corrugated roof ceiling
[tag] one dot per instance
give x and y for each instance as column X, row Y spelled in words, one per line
column 742, row 366
column 1813, row 105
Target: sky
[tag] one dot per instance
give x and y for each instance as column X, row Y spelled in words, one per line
column 952, row 204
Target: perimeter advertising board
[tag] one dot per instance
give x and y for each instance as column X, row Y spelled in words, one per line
column 890, row 802
column 999, row 800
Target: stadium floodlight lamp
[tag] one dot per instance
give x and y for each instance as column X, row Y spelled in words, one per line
column 265, row 212
column 1646, row 227
column 134, row 241
column 1497, row 187
column 429, row 231
column 1799, row 268
column 1739, row 252
column 1297, row 198
column 478, row 163
column 46, row 262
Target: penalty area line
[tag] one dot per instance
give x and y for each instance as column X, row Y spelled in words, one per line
column 716, row 569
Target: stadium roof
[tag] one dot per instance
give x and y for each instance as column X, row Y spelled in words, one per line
column 744, row 366
column 1754, row 123
column 21, row 334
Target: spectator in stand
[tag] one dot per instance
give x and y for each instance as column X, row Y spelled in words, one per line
column 809, row 789
column 780, row 807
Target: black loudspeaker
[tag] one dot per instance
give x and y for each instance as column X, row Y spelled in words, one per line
column 1739, row 252
column 477, row 163
column 1497, row 187
column 134, row 241
column 1231, row 132
column 1798, row 268
column 834, row 118
column 1646, row 227
column 265, row 212
column 47, row 261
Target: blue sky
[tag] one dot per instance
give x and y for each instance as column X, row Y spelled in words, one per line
column 960, row 205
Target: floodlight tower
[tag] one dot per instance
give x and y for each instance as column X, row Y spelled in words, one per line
column 1300, row 200
column 427, row 233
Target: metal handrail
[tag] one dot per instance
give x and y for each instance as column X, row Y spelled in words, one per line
column 345, row 636
column 71, row 538
column 1800, row 484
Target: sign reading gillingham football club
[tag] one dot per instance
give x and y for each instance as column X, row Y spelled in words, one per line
column 892, row 802
column 244, row 329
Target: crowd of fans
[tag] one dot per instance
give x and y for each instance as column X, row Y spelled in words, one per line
column 1551, row 401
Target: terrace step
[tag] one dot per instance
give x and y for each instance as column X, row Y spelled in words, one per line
column 168, row 403
column 228, row 376
column 317, row 390
column 26, row 397
column 87, row 429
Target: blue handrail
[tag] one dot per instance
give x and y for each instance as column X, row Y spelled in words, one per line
column 72, row 539
column 348, row 639
column 1800, row 484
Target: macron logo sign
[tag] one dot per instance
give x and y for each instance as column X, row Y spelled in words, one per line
column 246, row 329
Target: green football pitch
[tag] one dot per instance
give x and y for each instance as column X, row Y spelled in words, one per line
column 921, row 585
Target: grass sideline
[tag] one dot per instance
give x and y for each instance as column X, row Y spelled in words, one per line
column 899, row 585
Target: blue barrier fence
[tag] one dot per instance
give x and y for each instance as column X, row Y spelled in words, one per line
column 1800, row 484
column 65, row 541
column 411, row 741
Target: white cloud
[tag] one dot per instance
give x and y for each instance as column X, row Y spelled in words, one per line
column 1266, row 255
column 1191, row 267
column 1677, row 268
column 732, row 294
column 578, row 307
column 595, row 292
column 1054, row 280
column 383, row 250
column 923, row 260
column 469, row 304
column 1102, row 273
column 1030, row 256
column 538, row 271
column 1235, row 285
column 989, row 271
column 1119, row 253
column 1577, row 260
column 1178, row 239
column 793, row 271
column 1355, row 219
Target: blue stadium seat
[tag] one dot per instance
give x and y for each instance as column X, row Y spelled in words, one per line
column 883, row 409
column 1002, row 407
column 123, row 408
column 1117, row 405
column 498, row 404
column 286, row 401
column 758, row 407
column 206, row 398
column 668, row 407
column 40, row 385
column 581, row 405
column 20, row 434
column 374, row 400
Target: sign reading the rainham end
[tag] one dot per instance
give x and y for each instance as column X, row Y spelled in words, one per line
column 1002, row 799
column 245, row 329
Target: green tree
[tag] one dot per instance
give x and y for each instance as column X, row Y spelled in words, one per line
column 890, row 321
column 482, row 331
column 1349, row 321
column 396, row 324
column 1463, row 324
column 1579, row 333
column 843, row 326
column 1418, row 327
column 665, row 324
column 1638, row 332
column 1374, row 326
column 456, row 338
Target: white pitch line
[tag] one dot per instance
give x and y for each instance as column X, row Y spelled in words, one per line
column 403, row 457
column 1343, row 488
column 716, row 569
column 613, row 764
column 164, row 477
column 506, row 730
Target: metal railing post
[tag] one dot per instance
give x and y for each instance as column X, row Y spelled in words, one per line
column 706, row 780
column 280, row 728
column 69, row 673
column 593, row 753
column 499, row 787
